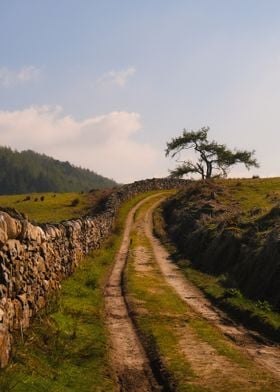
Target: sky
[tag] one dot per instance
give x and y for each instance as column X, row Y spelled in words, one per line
column 105, row 84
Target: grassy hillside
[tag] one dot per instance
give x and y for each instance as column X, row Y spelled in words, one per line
column 27, row 171
column 230, row 230
column 54, row 207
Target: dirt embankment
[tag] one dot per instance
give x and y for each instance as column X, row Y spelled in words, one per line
column 211, row 228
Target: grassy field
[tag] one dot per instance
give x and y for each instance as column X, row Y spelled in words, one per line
column 254, row 197
column 52, row 207
column 66, row 348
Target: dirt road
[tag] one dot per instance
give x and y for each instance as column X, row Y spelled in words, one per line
column 236, row 360
column 130, row 363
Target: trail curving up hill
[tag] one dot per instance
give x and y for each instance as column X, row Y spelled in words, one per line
column 131, row 365
column 211, row 369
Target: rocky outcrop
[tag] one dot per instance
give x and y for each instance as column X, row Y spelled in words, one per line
column 34, row 259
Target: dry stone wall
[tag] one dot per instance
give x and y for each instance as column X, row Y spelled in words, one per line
column 35, row 259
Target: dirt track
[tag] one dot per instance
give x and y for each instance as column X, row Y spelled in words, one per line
column 130, row 362
column 131, row 366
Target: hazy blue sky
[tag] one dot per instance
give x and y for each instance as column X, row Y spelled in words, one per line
column 104, row 84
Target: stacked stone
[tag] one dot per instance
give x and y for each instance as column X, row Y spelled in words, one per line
column 34, row 259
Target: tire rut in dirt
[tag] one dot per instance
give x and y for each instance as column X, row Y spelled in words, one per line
column 131, row 365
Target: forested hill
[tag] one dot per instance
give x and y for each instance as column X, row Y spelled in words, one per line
column 28, row 171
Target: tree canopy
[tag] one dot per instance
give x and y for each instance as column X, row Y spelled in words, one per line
column 214, row 160
column 28, row 171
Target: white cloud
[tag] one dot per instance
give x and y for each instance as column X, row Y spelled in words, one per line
column 11, row 78
column 103, row 143
column 118, row 78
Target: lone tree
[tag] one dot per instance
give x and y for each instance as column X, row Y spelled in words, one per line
column 214, row 160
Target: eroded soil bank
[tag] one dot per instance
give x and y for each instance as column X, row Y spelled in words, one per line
column 231, row 230
column 226, row 228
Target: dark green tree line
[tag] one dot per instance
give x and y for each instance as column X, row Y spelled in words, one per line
column 28, row 171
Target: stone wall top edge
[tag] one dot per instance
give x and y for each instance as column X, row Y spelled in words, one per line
column 14, row 225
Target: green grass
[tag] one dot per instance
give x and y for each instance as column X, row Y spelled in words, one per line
column 66, row 348
column 250, row 194
column 211, row 335
column 54, row 208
